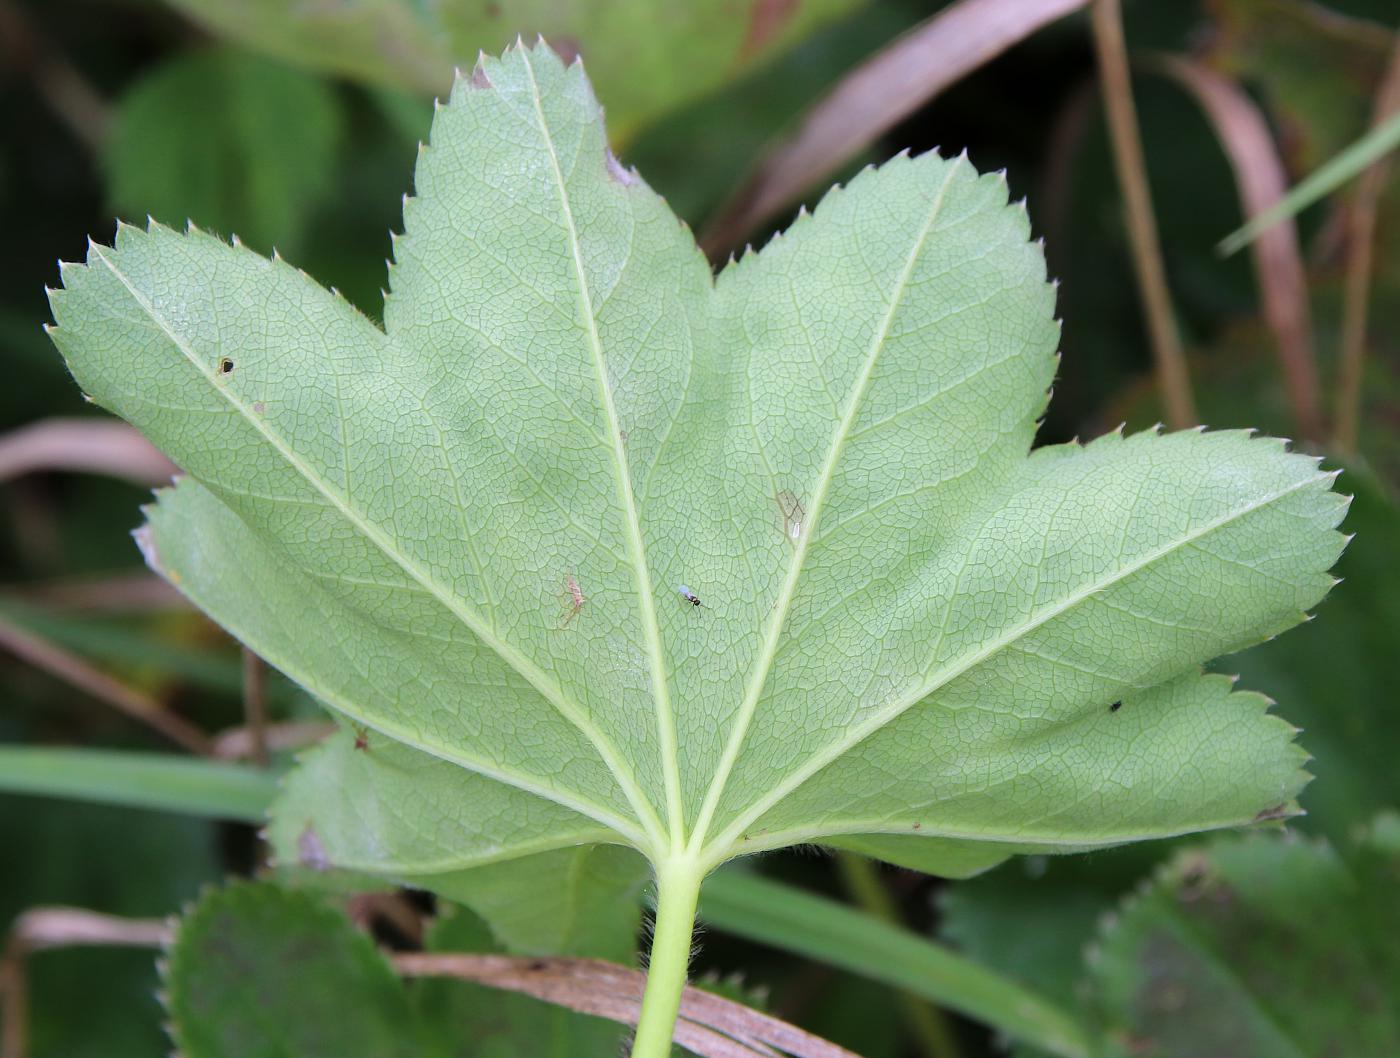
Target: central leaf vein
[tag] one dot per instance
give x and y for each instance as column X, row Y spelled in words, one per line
column 956, row 667
column 531, row 672
column 646, row 599
column 778, row 621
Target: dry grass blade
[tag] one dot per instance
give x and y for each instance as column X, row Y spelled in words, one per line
column 237, row 742
column 26, row 49
column 121, row 593
column 53, row 659
column 873, row 98
column 709, row 1025
column 1116, row 83
column 60, row 927
column 1278, row 262
column 1361, row 230
column 95, row 446
column 64, row 927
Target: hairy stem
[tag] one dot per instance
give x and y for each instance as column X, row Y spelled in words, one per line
column 677, row 892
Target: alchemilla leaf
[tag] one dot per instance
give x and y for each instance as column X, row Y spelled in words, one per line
column 587, row 545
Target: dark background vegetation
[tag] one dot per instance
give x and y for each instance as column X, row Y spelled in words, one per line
column 120, row 108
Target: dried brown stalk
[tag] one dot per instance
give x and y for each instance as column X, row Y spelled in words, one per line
column 1361, row 231
column 1116, row 84
column 1278, row 262
column 73, row 670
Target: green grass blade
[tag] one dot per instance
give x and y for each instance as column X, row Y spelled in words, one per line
column 140, row 780
column 795, row 921
column 1384, row 138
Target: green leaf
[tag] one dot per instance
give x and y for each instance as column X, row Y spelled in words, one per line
column 593, row 893
column 228, row 140
column 1374, row 145
column 645, row 57
column 255, row 971
column 479, row 534
column 139, row 780
column 1258, row 947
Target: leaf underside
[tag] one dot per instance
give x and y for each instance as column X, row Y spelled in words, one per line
column 468, row 532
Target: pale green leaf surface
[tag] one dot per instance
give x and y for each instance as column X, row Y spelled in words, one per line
column 407, row 814
column 593, row 893
column 645, row 57
column 908, row 631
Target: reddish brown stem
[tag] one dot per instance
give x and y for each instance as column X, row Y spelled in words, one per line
column 73, row 670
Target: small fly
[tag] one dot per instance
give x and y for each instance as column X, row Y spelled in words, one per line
column 689, row 596
column 1115, row 707
column 361, row 737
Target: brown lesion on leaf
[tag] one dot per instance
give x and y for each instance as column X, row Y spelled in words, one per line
column 478, row 79
column 766, row 20
column 794, row 515
column 617, row 170
column 146, row 544
column 310, row 852
column 1279, row 811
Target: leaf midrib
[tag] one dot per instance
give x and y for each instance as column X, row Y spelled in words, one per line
column 636, row 551
column 778, row 621
column 535, row 676
column 958, row 667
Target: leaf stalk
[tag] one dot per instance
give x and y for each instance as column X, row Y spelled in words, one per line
column 677, row 894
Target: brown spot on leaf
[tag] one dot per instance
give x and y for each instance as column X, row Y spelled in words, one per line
column 766, row 21
column 617, row 170
column 1280, row 811
column 793, row 515
column 310, row 852
column 225, row 366
column 479, row 78
column 259, row 407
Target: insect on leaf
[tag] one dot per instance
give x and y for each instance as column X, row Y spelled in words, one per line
column 925, row 663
